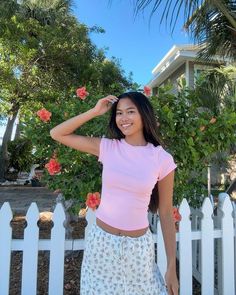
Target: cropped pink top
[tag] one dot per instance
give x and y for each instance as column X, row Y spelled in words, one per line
column 128, row 177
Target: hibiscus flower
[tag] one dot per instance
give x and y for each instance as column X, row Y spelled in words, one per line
column 53, row 167
column 93, row 200
column 44, row 115
column 82, row 93
column 147, row 90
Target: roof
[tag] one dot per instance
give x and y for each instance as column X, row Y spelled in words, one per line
column 177, row 56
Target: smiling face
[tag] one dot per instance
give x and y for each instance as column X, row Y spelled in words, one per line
column 128, row 118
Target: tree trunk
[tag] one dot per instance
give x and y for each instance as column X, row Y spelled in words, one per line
column 18, row 127
column 4, row 159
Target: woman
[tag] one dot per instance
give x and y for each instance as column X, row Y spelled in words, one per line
column 138, row 174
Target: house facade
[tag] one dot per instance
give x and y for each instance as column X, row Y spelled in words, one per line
column 178, row 64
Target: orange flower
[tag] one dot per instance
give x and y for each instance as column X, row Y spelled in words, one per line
column 53, row 166
column 202, row 128
column 147, row 90
column 93, row 200
column 177, row 217
column 44, row 115
column 82, row 93
column 213, row 120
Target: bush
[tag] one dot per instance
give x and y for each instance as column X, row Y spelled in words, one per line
column 21, row 158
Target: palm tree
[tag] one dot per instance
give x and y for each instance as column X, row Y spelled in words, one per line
column 216, row 89
column 43, row 11
column 210, row 22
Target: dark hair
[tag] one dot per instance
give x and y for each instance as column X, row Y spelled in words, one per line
column 150, row 131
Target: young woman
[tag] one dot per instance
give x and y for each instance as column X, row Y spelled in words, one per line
column 138, row 173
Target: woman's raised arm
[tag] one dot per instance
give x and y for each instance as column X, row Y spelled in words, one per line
column 63, row 132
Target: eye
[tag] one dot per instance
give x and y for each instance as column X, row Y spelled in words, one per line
column 130, row 112
column 118, row 113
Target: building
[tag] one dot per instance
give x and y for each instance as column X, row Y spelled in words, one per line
column 178, row 64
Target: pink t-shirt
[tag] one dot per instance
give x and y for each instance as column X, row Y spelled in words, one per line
column 128, row 177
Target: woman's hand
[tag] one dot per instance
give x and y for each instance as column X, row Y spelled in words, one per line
column 172, row 281
column 104, row 104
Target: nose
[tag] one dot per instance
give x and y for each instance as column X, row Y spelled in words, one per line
column 123, row 118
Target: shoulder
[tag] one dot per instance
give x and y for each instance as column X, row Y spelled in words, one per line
column 162, row 155
column 109, row 141
column 107, row 146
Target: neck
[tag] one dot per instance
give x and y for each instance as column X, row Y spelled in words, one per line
column 136, row 140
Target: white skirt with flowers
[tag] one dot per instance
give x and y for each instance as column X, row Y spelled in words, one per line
column 120, row 265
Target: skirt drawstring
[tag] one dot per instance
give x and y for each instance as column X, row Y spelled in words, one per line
column 122, row 258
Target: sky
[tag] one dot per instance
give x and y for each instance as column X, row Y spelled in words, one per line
column 138, row 46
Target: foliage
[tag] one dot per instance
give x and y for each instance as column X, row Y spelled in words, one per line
column 80, row 172
column 208, row 25
column 21, row 157
column 216, row 89
column 193, row 134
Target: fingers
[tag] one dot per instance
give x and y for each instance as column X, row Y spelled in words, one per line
column 111, row 98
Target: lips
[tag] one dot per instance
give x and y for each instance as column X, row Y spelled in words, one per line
column 125, row 126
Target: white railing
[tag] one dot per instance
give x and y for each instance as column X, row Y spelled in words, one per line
column 204, row 240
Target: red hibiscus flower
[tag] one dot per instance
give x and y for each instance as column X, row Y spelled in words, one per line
column 147, row 90
column 82, row 93
column 93, row 200
column 53, row 166
column 44, row 115
column 177, row 217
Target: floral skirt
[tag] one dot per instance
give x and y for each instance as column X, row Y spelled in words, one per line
column 120, row 265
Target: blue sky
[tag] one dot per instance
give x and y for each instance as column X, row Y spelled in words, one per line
column 138, row 46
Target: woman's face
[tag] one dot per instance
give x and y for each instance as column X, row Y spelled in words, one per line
column 128, row 118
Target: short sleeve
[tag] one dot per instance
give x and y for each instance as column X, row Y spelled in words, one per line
column 104, row 148
column 166, row 162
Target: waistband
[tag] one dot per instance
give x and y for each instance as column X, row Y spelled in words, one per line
column 105, row 233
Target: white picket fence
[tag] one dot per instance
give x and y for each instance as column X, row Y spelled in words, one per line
column 204, row 241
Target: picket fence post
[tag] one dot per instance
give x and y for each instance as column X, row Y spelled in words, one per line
column 228, row 259
column 5, row 247
column 57, row 252
column 207, row 249
column 30, row 252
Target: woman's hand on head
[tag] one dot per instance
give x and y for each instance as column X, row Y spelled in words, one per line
column 104, row 104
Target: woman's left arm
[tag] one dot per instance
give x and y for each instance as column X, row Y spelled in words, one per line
column 165, row 210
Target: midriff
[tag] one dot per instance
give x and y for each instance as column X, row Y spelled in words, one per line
column 119, row 232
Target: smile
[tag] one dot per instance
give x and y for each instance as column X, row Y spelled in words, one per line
column 125, row 125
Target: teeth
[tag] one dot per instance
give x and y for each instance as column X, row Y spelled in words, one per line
column 126, row 125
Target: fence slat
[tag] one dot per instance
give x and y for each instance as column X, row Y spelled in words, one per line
column 161, row 259
column 5, row 247
column 228, row 258
column 57, row 252
column 91, row 218
column 185, row 249
column 30, row 253
column 207, row 251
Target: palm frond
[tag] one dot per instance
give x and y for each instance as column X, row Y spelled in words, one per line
column 211, row 27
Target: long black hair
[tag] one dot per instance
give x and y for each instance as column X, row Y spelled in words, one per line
column 150, row 131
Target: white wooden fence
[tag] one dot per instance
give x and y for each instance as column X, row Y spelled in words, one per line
column 204, row 241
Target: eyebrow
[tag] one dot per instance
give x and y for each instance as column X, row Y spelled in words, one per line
column 126, row 109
